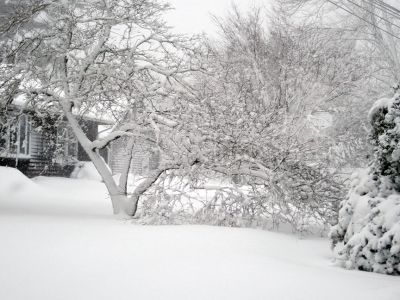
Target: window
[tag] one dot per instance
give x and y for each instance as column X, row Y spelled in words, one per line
column 24, row 135
column 67, row 145
column 15, row 138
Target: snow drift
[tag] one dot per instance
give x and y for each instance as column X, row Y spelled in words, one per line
column 13, row 182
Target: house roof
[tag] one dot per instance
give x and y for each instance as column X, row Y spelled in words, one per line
column 100, row 121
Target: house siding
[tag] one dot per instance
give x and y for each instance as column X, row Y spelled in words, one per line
column 37, row 163
column 40, row 161
column 144, row 158
column 91, row 130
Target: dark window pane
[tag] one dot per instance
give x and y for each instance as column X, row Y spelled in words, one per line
column 22, row 135
column 13, row 138
column 3, row 138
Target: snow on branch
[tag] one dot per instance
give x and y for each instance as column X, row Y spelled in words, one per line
column 125, row 130
column 383, row 103
column 163, row 120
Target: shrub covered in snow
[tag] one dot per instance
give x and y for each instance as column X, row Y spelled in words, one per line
column 303, row 198
column 367, row 236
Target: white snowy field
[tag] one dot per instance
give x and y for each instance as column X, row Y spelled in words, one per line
column 59, row 241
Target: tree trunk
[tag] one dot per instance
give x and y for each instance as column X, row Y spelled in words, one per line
column 123, row 181
column 118, row 199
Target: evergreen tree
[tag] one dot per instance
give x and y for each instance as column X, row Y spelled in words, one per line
column 367, row 236
column 385, row 138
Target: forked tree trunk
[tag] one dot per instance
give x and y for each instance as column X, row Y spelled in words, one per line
column 122, row 203
column 119, row 200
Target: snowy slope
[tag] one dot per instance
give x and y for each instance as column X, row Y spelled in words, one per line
column 58, row 241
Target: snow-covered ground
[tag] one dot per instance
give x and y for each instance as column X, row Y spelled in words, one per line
column 58, row 240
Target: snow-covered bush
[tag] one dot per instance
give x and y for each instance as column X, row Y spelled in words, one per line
column 242, row 123
column 303, row 199
column 367, row 236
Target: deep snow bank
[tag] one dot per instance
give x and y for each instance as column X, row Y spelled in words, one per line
column 15, row 184
column 51, row 196
column 65, row 245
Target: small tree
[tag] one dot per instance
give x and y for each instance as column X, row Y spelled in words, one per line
column 101, row 58
column 246, row 122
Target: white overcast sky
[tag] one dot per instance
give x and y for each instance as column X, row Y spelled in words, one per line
column 193, row 16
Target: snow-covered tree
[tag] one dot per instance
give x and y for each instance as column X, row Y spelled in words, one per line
column 373, row 28
column 247, row 121
column 367, row 236
column 99, row 58
column 375, row 24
